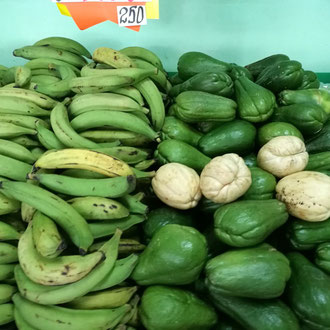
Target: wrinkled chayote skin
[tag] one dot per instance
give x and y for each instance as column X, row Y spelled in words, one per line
column 169, row 308
column 248, row 222
column 163, row 216
column 175, row 255
column 177, row 185
column 259, row 272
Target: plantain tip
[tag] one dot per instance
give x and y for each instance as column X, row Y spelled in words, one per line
column 130, row 179
column 82, row 252
column 62, row 246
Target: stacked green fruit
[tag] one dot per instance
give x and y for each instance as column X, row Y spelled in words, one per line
column 85, row 242
column 252, row 272
column 76, row 139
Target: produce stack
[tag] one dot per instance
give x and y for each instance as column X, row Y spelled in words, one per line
column 130, row 200
column 73, row 202
column 247, row 150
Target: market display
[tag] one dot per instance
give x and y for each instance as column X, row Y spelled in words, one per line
column 132, row 198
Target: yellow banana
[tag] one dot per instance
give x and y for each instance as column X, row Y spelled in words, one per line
column 102, row 101
column 7, row 271
column 64, row 133
column 143, row 54
column 22, row 120
column 60, row 318
column 21, row 323
column 60, row 294
column 126, row 138
column 54, row 207
column 61, row 88
column 104, row 299
column 112, row 57
column 126, row 246
column 68, row 44
column 8, row 232
column 83, row 159
column 26, row 141
column 9, row 130
column 6, row 313
column 131, row 92
column 33, row 52
column 155, row 101
column 48, row 241
column 57, row 271
column 15, row 221
column 44, row 62
column 8, row 253
column 22, row 76
column 39, row 99
column 99, row 208
column 14, row 169
column 6, row 292
column 8, row 205
column 99, row 84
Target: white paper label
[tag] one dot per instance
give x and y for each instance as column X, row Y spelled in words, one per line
column 131, row 15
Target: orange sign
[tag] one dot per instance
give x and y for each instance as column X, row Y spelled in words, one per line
column 87, row 14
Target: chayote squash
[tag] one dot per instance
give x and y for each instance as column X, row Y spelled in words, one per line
column 227, row 323
column 287, row 74
column 207, row 126
column 306, row 195
column 308, row 118
column 247, row 223
column 177, row 185
column 225, row 178
column 175, row 79
column 259, row 272
column 250, row 160
column 322, row 258
column 256, row 314
column 256, row 67
column 215, row 247
column 308, row 292
column 319, row 162
column 208, row 206
column 262, row 187
column 218, row 83
column 274, row 129
column 310, row 80
column 191, row 63
column 175, row 255
column 163, row 216
column 316, row 96
column 239, row 71
column 170, row 308
column 175, row 151
column 174, row 128
column 321, row 141
column 236, row 136
column 283, row 155
column 255, row 103
column 308, row 234
column 195, row 106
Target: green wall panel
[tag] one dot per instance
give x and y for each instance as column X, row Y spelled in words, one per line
column 239, row 31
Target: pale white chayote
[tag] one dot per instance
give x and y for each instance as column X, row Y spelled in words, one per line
column 283, row 155
column 225, row 178
column 177, row 185
column 306, row 195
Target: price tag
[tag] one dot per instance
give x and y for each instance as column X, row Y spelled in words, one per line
column 131, row 15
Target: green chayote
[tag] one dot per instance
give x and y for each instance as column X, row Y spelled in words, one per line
column 175, row 255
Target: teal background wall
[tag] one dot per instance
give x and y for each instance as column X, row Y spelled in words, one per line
column 239, row 31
